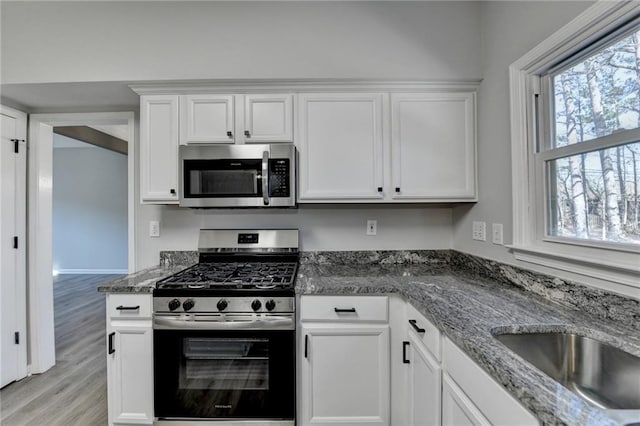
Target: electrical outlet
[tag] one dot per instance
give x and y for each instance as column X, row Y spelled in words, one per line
column 372, row 227
column 154, row 228
column 479, row 231
column 496, row 233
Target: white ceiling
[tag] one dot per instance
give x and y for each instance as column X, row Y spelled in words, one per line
column 63, row 97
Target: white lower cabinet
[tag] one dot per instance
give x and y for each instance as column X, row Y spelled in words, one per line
column 443, row 386
column 469, row 392
column 420, row 355
column 344, row 362
column 457, row 408
column 424, row 384
column 129, row 359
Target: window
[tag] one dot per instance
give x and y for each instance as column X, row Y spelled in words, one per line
column 590, row 154
column 575, row 141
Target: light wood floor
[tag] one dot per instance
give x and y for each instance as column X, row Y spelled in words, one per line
column 74, row 391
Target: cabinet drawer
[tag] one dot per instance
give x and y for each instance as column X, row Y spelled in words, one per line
column 121, row 305
column 344, row 308
column 430, row 336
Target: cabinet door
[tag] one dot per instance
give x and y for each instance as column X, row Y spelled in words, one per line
column 130, row 372
column 345, row 375
column 206, row 119
column 424, row 386
column 268, row 118
column 457, row 408
column 433, row 146
column 340, row 142
column 159, row 149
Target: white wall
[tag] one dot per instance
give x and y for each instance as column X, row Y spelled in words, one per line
column 129, row 41
column 124, row 41
column 509, row 30
column 89, row 209
column 321, row 227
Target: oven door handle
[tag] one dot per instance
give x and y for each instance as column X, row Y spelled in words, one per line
column 180, row 324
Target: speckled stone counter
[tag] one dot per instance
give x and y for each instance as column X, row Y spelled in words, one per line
column 469, row 309
column 469, row 299
column 143, row 281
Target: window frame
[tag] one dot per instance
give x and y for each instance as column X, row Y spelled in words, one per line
column 531, row 106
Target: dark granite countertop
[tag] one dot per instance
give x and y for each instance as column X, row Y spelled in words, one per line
column 469, row 310
column 469, row 299
column 143, row 281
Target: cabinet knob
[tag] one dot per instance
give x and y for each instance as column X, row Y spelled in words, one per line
column 247, row 133
column 230, row 134
column 172, row 191
column 397, row 189
column 379, row 189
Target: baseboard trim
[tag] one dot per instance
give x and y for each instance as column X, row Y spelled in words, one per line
column 92, row 271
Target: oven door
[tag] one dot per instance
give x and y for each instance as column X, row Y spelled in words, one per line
column 235, row 375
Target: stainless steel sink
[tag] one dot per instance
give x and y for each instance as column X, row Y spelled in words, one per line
column 597, row 372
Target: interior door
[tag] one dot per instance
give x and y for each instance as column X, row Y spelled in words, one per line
column 13, row 294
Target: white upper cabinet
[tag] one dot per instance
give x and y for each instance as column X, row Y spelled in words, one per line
column 232, row 119
column 433, row 146
column 268, row 118
column 381, row 147
column 390, row 144
column 206, row 119
column 340, row 143
column 159, row 149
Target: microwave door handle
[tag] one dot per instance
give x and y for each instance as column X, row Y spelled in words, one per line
column 265, row 177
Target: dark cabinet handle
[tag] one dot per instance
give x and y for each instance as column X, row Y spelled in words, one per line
column 172, row 191
column 306, row 345
column 338, row 310
column 415, row 326
column 230, row 134
column 111, row 348
column 247, row 133
column 379, row 189
column 128, row 308
column 397, row 189
column 405, row 345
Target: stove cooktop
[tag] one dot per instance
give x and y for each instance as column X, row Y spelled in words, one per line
column 233, row 275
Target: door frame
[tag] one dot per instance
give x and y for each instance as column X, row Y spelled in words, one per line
column 18, row 304
column 40, row 223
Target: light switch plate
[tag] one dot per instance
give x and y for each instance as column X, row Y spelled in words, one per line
column 479, row 231
column 154, row 228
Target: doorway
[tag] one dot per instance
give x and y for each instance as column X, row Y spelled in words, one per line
column 40, row 223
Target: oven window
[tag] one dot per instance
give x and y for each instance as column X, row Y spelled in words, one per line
column 231, row 364
column 234, row 374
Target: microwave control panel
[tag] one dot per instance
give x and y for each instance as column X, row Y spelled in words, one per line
column 279, row 171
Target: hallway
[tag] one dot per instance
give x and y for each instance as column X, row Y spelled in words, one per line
column 74, row 391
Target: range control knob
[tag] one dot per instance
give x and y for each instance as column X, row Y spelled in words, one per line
column 222, row 305
column 174, row 304
column 256, row 305
column 270, row 305
column 188, row 304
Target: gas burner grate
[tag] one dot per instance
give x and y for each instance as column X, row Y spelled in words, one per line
column 259, row 275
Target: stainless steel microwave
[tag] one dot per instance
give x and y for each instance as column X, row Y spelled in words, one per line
column 237, row 175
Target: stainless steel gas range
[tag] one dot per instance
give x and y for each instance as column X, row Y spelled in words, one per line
column 224, row 331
